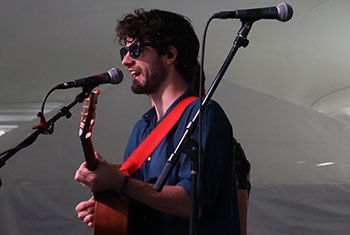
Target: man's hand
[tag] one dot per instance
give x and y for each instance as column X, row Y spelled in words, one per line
column 86, row 211
column 104, row 178
column 171, row 200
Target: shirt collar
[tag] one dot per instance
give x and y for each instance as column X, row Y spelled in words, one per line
column 152, row 112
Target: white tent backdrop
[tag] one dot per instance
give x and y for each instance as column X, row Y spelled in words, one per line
column 300, row 158
column 284, row 142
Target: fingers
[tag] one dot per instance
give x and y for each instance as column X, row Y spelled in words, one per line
column 101, row 179
column 89, row 220
column 86, row 215
column 86, row 211
column 84, row 176
column 85, row 205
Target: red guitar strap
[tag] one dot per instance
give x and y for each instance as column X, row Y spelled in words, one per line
column 148, row 145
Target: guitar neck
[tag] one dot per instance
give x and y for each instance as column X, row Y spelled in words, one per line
column 85, row 131
column 89, row 154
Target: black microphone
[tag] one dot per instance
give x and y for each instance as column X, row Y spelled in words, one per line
column 282, row 12
column 113, row 76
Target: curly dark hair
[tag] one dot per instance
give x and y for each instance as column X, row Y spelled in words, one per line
column 163, row 29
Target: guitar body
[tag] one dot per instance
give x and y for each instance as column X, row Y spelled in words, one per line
column 111, row 213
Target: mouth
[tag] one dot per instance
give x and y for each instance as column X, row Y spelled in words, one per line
column 135, row 73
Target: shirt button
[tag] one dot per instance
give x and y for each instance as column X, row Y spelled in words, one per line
column 149, row 159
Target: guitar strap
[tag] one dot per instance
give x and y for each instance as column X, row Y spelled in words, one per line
column 148, row 145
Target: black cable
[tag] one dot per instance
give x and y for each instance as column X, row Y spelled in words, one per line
column 202, row 90
column 194, row 212
column 44, row 100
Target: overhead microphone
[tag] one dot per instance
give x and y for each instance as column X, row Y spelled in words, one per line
column 282, row 12
column 112, row 76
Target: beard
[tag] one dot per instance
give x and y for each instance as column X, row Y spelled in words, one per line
column 152, row 82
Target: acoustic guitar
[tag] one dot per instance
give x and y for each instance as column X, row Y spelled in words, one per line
column 111, row 208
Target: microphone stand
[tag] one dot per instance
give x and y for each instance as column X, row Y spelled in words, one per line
column 189, row 146
column 45, row 127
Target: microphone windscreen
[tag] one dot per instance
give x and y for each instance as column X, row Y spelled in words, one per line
column 116, row 75
column 285, row 11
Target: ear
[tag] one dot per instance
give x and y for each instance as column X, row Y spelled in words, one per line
column 171, row 55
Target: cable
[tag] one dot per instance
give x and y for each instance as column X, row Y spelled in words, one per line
column 44, row 100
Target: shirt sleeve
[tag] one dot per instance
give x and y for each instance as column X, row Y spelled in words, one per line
column 184, row 175
column 217, row 154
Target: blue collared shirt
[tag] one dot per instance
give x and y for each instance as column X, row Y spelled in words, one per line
column 217, row 195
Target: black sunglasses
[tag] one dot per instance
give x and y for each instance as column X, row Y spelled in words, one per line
column 134, row 49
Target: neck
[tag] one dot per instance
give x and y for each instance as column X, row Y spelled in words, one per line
column 171, row 89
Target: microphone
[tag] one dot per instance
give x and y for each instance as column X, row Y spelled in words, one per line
column 113, row 76
column 282, row 12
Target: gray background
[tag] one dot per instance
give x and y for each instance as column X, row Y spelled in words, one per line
column 271, row 93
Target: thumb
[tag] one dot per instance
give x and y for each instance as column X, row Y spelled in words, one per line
column 100, row 158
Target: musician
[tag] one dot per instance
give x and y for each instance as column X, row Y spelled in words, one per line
column 160, row 52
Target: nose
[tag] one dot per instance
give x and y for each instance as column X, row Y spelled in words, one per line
column 128, row 60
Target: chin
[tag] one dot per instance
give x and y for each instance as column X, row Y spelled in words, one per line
column 140, row 90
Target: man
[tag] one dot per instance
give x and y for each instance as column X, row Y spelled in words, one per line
column 160, row 52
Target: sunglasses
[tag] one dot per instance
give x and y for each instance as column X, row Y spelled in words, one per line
column 134, row 49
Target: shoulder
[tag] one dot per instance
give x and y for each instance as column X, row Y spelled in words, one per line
column 212, row 106
column 213, row 111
